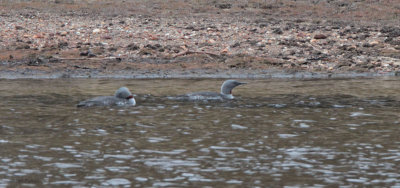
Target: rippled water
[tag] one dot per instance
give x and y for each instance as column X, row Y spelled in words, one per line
column 276, row 133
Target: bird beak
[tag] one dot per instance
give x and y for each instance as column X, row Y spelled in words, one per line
column 241, row 83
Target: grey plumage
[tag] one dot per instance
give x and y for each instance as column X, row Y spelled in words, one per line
column 122, row 97
column 226, row 92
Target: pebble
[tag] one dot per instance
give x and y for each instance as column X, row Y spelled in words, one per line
column 320, row 36
column 95, row 31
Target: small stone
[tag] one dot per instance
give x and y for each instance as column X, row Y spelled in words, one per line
column 145, row 52
column 301, row 35
column 132, row 47
column 153, row 37
column 112, row 49
column 19, row 27
column 62, row 44
column 224, row 51
column 85, row 53
column 38, row 36
column 64, row 33
column 320, row 36
column 237, row 44
column 374, row 43
column 224, row 6
column 368, row 45
column 277, row 31
column 95, row 31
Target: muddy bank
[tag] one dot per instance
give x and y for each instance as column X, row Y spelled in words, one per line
column 142, row 40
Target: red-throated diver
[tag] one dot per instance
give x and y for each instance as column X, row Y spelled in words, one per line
column 226, row 92
column 122, row 97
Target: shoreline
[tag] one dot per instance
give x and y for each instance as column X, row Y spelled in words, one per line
column 241, row 74
column 173, row 39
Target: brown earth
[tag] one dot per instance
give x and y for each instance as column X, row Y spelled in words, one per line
column 63, row 38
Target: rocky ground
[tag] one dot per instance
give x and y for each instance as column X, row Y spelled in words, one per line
column 198, row 38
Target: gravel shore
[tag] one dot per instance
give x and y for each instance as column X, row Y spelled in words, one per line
column 191, row 39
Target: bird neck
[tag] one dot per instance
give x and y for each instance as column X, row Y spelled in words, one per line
column 225, row 90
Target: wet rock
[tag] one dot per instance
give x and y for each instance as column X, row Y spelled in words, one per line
column 370, row 44
column 299, row 21
column 87, row 53
column 19, row 27
column 288, row 53
column 289, row 42
column 84, row 53
column 237, row 44
column 175, row 50
column 90, row 54
column 312, row 28
column 277, row 31
column 253, row 30
column 261, row 25
column 153, row 47
column 22, row 46
column 99, row 44
column 62, row 44
column 192, row 28
column 145, row 51
column 97, row 50
column 64, row 33
column 320, row 36
column 252, row 42
column 317, row 56
column 347, row 48
column 391, row 31
column 132, row 47
column 363, row 37
column 112, row 49
column 392, row 41
column 107, row 37
column 223, row 6
column 342, row 64
column 34, row 60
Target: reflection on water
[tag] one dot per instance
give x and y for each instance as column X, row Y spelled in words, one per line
column 276, row 132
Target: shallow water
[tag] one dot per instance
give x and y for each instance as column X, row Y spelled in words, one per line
column 342, row 132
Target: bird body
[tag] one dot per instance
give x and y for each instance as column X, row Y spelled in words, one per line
column 226, row 92
column 122, row 97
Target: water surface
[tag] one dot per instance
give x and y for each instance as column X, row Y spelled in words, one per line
column 342, row 132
